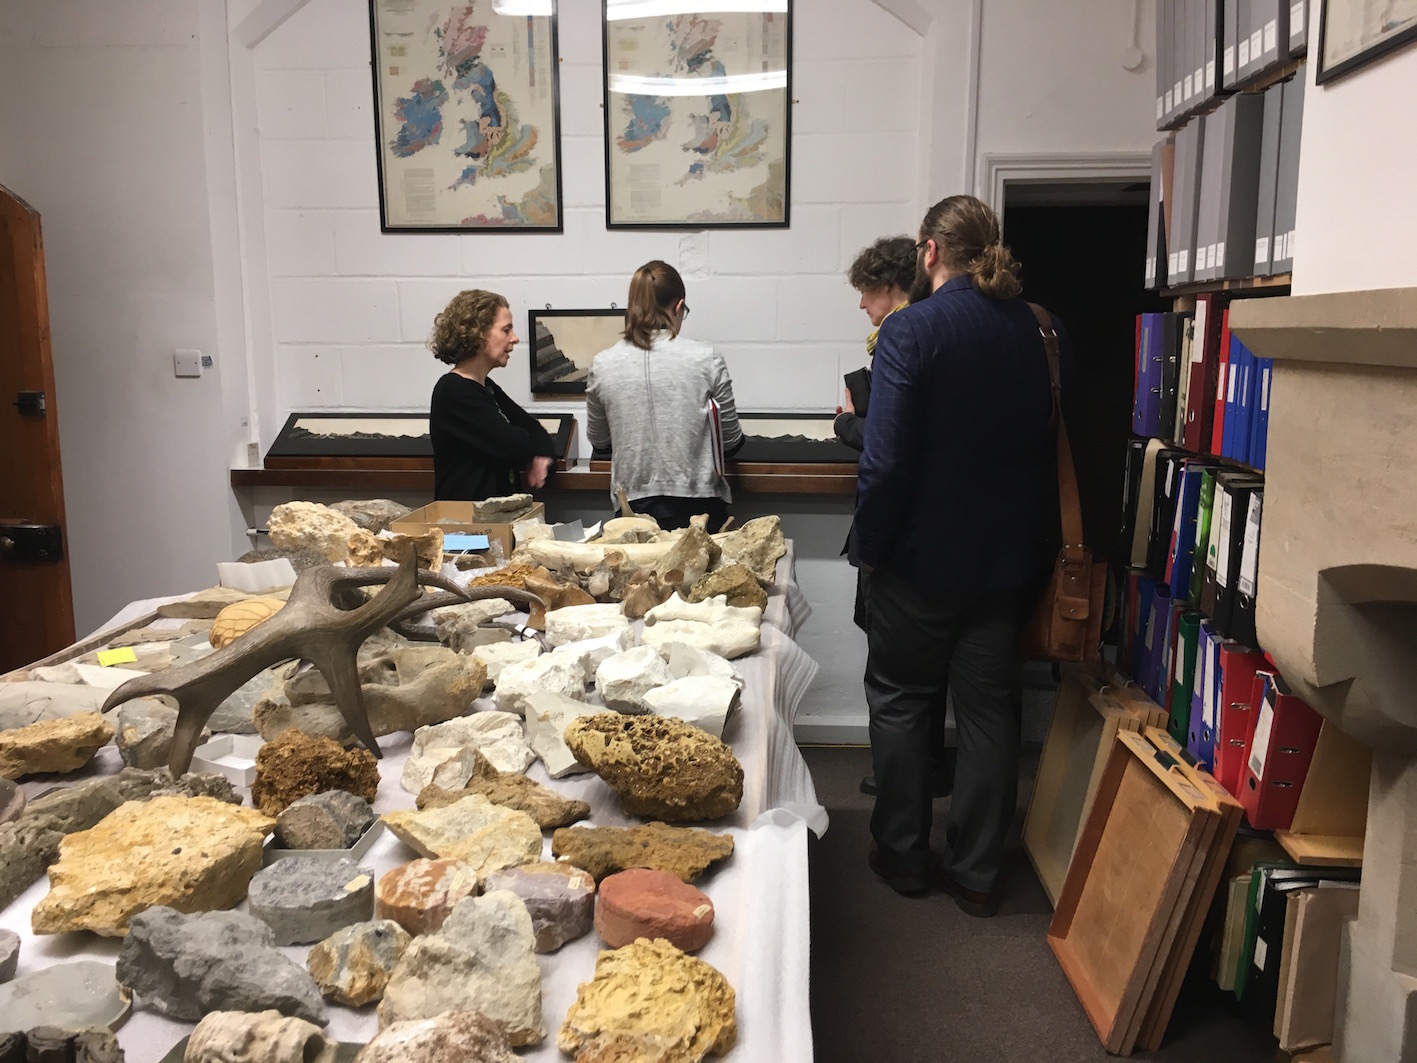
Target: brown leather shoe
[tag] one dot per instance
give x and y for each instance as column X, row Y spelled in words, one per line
column 971, row 902
column 905, row 885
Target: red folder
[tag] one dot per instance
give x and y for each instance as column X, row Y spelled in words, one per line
column 1222, row 380
column 1235, row 717
column 1200, row 399
column 1282, row 746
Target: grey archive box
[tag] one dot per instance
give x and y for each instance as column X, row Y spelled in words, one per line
column 1268, row 181
column 1208, row 197
column 1229, row 30
column 1188, row 199
column 1286, row 195
column 1155, row 238
column 1298, row 27
column 1239, row 186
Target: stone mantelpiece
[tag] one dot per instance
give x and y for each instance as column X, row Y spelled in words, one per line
column 1336, row 604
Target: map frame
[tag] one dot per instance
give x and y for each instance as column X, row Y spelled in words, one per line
column 1352, row 34
column 453, row 221
column 611, row 113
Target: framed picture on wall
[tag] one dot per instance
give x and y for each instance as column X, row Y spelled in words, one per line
column 467, row 118
column 565, row 342
column 1353, row 33
column 698, row 113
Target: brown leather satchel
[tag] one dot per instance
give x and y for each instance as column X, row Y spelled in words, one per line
column 1066, row 625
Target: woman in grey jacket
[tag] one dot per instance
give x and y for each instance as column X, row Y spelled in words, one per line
column 663, row 406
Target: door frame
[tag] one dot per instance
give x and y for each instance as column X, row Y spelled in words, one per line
column 996, row 170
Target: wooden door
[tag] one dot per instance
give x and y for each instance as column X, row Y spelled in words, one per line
column 36, row 603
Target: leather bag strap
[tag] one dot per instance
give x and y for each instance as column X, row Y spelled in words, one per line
column 1069, row 505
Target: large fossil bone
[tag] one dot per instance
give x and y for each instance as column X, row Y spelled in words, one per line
column 322, row 623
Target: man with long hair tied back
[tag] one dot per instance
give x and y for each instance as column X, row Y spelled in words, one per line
column 956, row 527
column 663, row 405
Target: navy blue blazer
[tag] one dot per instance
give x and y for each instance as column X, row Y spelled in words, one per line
column 957, row 484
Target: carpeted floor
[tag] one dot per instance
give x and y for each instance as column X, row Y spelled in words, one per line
column 899, row 980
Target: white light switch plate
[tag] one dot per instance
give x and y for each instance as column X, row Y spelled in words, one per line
column 186, row 363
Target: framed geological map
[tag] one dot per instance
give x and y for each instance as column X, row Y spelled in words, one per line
column 1352, row 33
column 697, row 113
column 467, row 115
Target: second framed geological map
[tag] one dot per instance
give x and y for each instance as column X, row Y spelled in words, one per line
column 697, row 114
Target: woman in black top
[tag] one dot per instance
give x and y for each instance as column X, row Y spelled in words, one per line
column 483, row 442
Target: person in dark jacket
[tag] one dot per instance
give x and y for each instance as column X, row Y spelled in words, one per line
column 956, row 527
column 484, row 444
column 882, row 274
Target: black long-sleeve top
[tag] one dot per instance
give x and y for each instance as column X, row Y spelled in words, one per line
column 482, row 440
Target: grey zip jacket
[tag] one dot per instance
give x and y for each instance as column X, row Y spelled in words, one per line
column 652, row 409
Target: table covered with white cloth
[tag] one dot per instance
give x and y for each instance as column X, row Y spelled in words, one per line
column 760, row 894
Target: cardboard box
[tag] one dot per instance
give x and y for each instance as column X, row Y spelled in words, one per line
column 461, row 517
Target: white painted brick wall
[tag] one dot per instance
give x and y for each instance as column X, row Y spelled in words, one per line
column 352, row 306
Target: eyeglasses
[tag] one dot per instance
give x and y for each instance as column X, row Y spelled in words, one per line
column 921, row 244
column 686, row 310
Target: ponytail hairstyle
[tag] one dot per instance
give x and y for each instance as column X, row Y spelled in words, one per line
column 966, row 231
column 654, row 289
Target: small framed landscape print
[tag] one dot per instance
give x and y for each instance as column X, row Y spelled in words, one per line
column 467, row 115
column 1353, row 33
column 697, row 113
column 565, row 342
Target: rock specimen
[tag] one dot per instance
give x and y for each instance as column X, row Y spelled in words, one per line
column 554, row 594
column 188, row 965
column 500, row 509
column 372, row 514
column 204, row 605
column 300, row 560
column 646, row 588
column 660, row 766
column 240, row 617
column 474, row 830
column 192, row 854
column 295, row 765
column 498, row 655
column 421, row 894
column 12, row 800
column 406, row 688
column 601, row 851
column 70, row 996
column 623, row 680
column 510, row 790
column 634, row 529
column 564, row 675
column 650, row 990
column 428, row 546
column 640, row 903
column 579, row 622
column 61, row 745
column 593, row 652
column 332, row 819
column 560, row 899
column 52, row 1042
column 32, row 701
column 708, row 611
column 27, row 847
column 305, row 898
column 452, row 1037
column 263, row 1037
column 757, row 546
column 685, row 661
column 692, row 554
column 706, row 701
column 364, row 550
column 352, row 965
column 145, row 731
column 728, row 638
column 735, row 582
column 308, row 526
column 498, row 735
column 9, row 954
column 483, row 953
column 547, row 715
column 235, row 715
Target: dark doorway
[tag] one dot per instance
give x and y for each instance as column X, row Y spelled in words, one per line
column 1082, row 248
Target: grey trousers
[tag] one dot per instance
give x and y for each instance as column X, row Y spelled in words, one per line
column 916, row 647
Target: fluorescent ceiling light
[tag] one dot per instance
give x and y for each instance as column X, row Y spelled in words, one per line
column 623, row 9
column 522, row 7
column 636, row 85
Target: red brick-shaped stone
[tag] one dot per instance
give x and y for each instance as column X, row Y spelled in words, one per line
column 420, row 894
column 641, row 903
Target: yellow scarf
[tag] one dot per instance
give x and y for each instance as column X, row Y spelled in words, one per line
column 871, row 339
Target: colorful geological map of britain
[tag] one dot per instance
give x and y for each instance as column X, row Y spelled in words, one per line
column 468, row 127
column 689, row 142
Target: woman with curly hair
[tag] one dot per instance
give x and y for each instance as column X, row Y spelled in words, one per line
column 483, row 442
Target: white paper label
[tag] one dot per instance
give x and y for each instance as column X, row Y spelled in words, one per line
column 1259, row 746
column 1256, row 45
column 1170, row 475
column 1198, row 675
column 1169, row 98
column 1176, row 92
column 1198, row 349
column 1151, row 271
column 1160, row 111
column 1264, row 390
column 1289, row 244
column 1210, row 256
column 1262, row 251
column 1229, row 61
column 1171, row 260
column 1212, row 547
column 1210, row 74
column 1244, row 53
column 1200, row 79
column 1190, row 86
column 1250, row 558
column 1208, row 691
column 1183, row 258
column 1220, row 255
column 1234, row 375
column 1296, row 19
column 1221, row 370
column 1271, row 36
column 1222, row 560
column 1261, row 951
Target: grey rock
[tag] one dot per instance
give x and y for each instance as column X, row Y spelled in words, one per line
column 453, row 1037
column 334, row 819
column 482, row 957
column 559, row 898
column 9, row 954
column 299, row 560
column 265, row 1037
column 145, row 731
column 12, row 800
column 234, row 715
column 188, row 965
column 372, row 514
column 68, row 995
column 138, row 784
column 305, row 899
column 22, row 704
column 352, row 966
column 26, row 849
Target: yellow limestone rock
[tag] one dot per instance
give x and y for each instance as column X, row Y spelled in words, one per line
column 65, row 744
column 310, row 526
column 240, row 617
column 651, row 993
column 473, row 830
column 193, row 854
